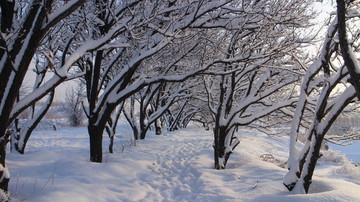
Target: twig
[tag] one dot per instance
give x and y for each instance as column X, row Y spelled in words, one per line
column 255, row 185
column 159, row 171
column 52, row 177
column 238, row 177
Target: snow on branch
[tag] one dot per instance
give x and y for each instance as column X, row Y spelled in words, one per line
column 336, row 107
column 61, row 13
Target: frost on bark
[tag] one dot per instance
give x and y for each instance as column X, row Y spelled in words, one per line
column 319, row 93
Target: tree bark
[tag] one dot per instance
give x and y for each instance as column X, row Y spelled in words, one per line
column 33, row 123
column 5, row 178
column 16, row 60
column 95, row 143
column 7, row 15
column 345, row 49
column 315, row 154
column 157, row 125
column 219, row 148
column 111, row 145
column 142, row 133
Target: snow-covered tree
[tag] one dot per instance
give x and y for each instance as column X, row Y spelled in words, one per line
column 148, row 27
column 112, row 125
column 146, row 114
column 329, row 86
column 245, row 96
column 179, row 115
column 24, row 25
column 349, row 9
column 73, row 101
column 243, row 92
column 174, row 59
column 22, row 131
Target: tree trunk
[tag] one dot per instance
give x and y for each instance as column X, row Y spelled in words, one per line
column 158, row 129
column 315, row 154
column 216, row 157
column 111, row 134
column 4, row 173
column 143, row 131
column 95, row 134
column 30, row 125
column 346, row 52
column 142, row 134
column 111, row 127
column 219, row 148
column 136, row 133
column 111, row 145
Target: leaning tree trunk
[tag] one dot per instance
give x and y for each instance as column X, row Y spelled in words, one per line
column 111, row 127
column 175, row 125
column 111, row 133
column 20, row 138
column 311, row 161
column 111, row 144
column 8, row 94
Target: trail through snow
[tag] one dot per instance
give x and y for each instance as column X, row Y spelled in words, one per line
column 176, row 166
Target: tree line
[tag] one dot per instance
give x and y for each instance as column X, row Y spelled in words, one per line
column 225, row 63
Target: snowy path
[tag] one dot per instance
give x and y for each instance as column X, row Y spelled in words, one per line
column 177, row 166
column 185, row 170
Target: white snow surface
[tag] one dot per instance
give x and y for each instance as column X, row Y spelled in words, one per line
column 176, row 166
column 352, row 151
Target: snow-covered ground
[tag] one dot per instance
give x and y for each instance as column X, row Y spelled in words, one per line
column 176, row 166
column 352, row 151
